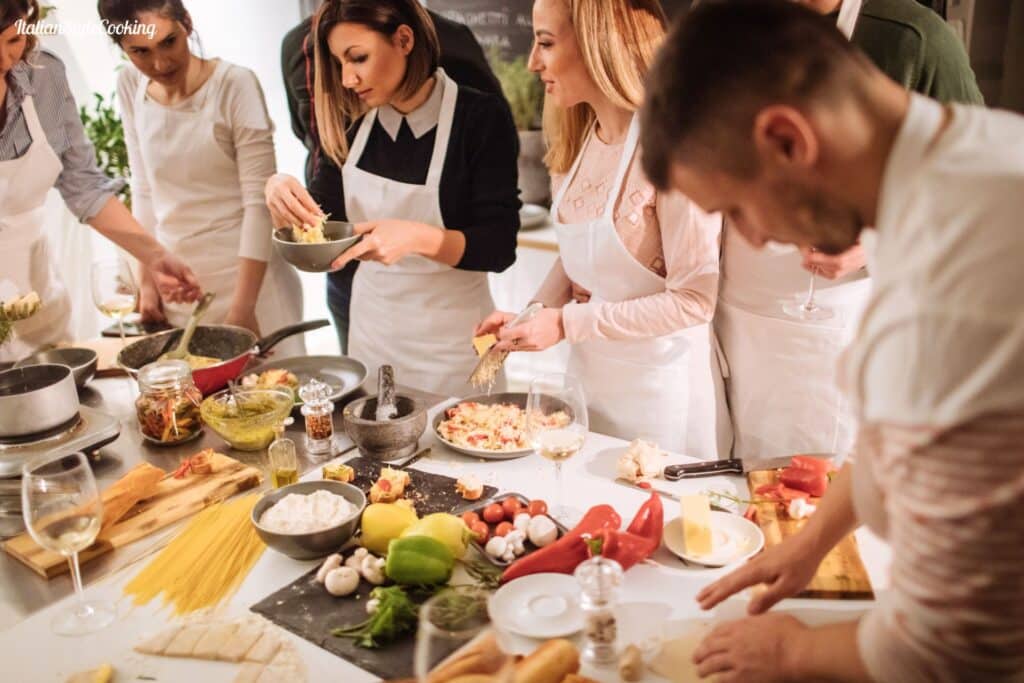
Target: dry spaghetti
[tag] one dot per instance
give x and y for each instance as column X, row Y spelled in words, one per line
column 206, row 562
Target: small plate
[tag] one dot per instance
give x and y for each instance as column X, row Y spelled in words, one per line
column 733, row 539
column 538, row 606
column 342, row 374
column 532, row 216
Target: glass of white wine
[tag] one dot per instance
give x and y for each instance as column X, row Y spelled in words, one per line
column 114, row 290
column 63, row 512
column 557, row 426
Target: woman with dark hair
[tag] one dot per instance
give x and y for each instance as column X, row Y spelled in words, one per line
column 42, row 146
column 200, row 145
column 426, row 169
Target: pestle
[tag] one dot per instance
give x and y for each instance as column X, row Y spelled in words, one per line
column 386, row 408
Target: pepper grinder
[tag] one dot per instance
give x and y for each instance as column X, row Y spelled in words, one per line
column 599, row 579
column 318, row 410
column 284, row 464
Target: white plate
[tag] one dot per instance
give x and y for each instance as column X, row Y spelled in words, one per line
column 532, row 216
column 518, row 399
column 733, row 539
column 538, row 606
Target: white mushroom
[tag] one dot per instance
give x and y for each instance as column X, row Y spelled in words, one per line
column 342, row 581
column 496, row 546
column 542, row 531
column 516, row 538
column 356, row 560
column 509, row 554
column 371, row 606
column 372, row 569
column 521, row 522
column 332, row 562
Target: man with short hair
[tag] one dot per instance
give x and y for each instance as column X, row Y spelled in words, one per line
column 799, row 139
column 781, row 389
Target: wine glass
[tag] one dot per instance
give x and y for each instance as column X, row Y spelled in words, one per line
column 805, row 308
column 114, row 290
column 63, row 512
column 448, row 622
column 556, row 425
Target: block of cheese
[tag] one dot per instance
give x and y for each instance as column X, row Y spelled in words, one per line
column 483, row 343
column 695, row 514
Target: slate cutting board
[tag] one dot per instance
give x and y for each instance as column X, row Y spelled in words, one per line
column 306, row 609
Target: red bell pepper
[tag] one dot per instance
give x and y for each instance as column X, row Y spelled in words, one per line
column 650, row 519
column 814, row 483
column 809, row 462
column 779, row 492
column 639, row 541
column 565, row 554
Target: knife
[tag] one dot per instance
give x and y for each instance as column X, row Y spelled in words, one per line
column 732, row 466
column 662, row 492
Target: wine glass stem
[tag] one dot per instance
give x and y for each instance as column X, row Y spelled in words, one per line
column 76, row 579
column 809, row 304
column 120, row 327
column 559, row 503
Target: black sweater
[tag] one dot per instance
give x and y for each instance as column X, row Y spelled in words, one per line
column 479, row 195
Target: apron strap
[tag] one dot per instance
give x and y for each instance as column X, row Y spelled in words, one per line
column 444, row 127
column 35, row 128
column 628, row 152
column 572, row 172
column 849, row 11
column 359, row 144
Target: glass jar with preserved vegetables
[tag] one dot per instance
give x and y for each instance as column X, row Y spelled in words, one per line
column 168, row 404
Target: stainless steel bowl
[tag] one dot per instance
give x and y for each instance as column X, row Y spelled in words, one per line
column 316, row 258
column 36, row 398
column 318, row 543
column 81, row 361
column 389, row 439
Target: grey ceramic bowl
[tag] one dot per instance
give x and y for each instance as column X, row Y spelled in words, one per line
column 316, row 258
column 81, row 361
column 318, row 543
column 387, row 440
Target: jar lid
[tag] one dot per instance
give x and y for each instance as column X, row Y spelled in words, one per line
column 314, row 391
column 165, row 374
column 599, row 577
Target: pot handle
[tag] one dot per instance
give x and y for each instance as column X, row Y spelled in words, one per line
column 271, row 340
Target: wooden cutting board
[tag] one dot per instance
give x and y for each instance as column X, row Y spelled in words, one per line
column 841, row 575
column 174, row 500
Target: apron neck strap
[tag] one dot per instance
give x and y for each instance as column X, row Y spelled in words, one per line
column 35, row 128
column 628, row 152
column 444, row 126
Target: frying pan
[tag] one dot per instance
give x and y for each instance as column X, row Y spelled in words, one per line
column 235, row 345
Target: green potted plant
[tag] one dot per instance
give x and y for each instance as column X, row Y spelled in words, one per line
column 105, row 130
column 525, row 95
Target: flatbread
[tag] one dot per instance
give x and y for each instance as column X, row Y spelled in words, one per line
column 186, row 640
column 264, row 649
column 157, row 645
column 241, row 642
column 214, row 641
column 675, row 661
column 249, row 673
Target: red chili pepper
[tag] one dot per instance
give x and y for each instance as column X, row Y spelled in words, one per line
column 565, row 554
column 814, row 483
column 650, row 519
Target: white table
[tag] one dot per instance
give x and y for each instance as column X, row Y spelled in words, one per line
column 658, row 594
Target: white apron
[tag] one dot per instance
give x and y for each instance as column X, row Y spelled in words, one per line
column 417, row 315
column 781, row 372
column 27, row 262
column 197, row 199
column 666, row 389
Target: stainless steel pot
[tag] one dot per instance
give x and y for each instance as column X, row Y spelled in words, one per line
column 36, row 398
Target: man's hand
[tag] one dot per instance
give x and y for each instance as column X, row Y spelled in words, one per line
column 834, row 267
column 151, row 307
column 754, row 650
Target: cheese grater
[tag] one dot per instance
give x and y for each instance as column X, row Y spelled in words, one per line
column 490, row 364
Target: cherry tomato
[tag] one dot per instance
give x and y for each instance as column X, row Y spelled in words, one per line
column 511, row 506
column 537, row 507
column 503, row 529
column 470, row 518
column 480, row 531
column 493, row 513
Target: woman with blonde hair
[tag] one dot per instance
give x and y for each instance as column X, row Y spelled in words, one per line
column 635, row 285
column 426, row 169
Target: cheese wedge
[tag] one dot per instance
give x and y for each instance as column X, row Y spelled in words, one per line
column 483, row 343
column 696, row 518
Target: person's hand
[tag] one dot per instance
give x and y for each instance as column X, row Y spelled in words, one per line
column 579, row 294
column 289, row 202
column 151, row 306
column 543, row 331
column 492, row 323
column 386, row 241
column 246, row 319
column 834, row 267
column 174, row 280
column 784, row 569
column 754, row 650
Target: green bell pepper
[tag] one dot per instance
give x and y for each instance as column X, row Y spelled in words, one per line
column 419, row 561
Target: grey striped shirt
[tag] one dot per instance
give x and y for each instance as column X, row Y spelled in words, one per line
column 84, row 187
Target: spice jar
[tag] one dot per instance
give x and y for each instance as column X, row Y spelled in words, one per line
column 318, row 410
column 168, row 403
column 599, row 580
column 284, row 464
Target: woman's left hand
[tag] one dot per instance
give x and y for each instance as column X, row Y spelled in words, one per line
column 246, row 319
column 387, row 241
column 754, row 650
column 542, row 332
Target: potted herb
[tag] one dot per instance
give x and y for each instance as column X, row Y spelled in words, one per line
column 105, row 130
column 525, row 95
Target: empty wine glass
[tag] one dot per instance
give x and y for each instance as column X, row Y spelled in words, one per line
column 448, row 622
column 805, row 308
column 114, row 290
column 63, row 512
column 556, row 425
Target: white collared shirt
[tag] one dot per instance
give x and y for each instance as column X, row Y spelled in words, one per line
column 421, row 120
